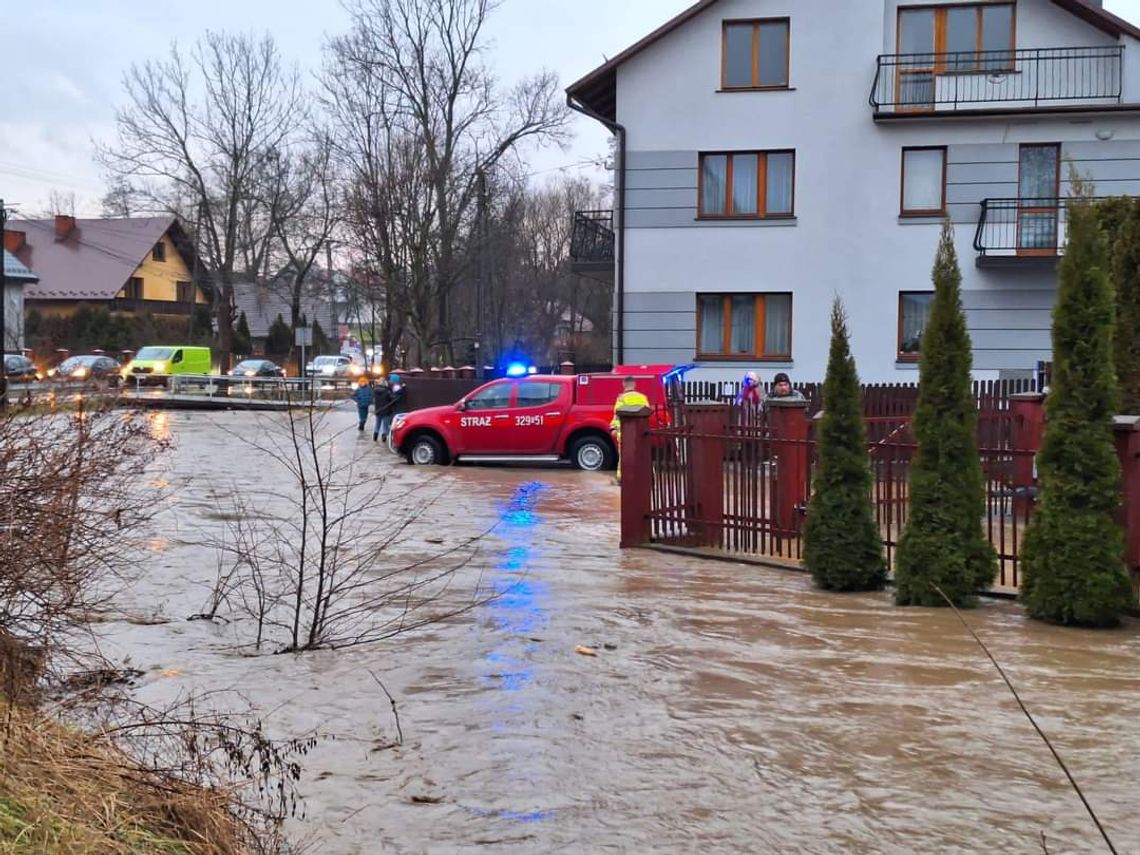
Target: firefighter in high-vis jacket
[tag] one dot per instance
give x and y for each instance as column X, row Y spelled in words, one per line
column 629, row 401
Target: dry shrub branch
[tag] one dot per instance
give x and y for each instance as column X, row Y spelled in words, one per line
column 328, row 569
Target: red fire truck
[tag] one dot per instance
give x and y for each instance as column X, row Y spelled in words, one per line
column 533, row 419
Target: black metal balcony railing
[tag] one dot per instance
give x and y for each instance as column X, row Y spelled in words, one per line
column 1027, row 229
column 996, row 79
column 592, row 239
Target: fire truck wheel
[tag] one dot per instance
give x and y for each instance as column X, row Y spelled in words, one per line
column 426, row 451
column 592, row 454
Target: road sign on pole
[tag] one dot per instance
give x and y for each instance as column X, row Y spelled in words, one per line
column 302, row 338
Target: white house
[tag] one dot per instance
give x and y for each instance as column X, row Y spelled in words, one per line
column 774, row 153
column 16, row 278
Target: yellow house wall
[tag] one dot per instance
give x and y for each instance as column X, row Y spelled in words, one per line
column 161, row 278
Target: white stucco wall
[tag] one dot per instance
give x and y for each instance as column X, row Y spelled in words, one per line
column 847, row 237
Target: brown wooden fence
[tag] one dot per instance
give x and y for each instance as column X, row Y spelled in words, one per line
column 738, row 482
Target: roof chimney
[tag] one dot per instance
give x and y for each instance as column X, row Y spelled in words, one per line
column 14, row 241
column 64, row 225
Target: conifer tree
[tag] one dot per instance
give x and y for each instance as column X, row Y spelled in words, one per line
column 843, row 548
column 1073, row 557
column 1121, row 219
column 943, row 544
column 243, row 340
column 280, row 337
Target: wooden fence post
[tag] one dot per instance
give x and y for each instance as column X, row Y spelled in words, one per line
column 1028, row 411
column 790, row 429
column 1127, row 434
column 706, row 471
column 636, row 479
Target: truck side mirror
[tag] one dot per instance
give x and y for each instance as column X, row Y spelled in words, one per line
column 461, row 406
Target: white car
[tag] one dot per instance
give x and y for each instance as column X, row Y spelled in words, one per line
column 332, row 368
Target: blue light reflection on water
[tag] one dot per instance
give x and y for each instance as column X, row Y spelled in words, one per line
column 517, row 615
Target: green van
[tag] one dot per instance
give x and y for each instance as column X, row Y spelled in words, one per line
column 154, row 364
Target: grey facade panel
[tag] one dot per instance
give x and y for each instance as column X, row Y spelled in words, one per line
column 1010, row 339
column 1007, row 360
column 1005, row 319
column 660, row 301
column 662, row 197
column 1012, row 299
column 660, row 356
column 981, row 173
column 660, row 160
column 982, row 153
column 1107, row 150
column 669, row 321
column 973, row 194
column 672, row 340
column 654, row 179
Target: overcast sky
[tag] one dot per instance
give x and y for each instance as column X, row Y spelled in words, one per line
column 65, row 59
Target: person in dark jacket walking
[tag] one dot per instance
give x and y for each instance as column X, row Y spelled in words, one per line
column 362, row 394
column 382, row 401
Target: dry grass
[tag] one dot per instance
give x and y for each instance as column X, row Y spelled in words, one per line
column 62, row 790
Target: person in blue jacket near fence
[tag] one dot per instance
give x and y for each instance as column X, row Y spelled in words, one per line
column 363, row 397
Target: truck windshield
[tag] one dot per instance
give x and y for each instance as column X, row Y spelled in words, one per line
column 154, row 353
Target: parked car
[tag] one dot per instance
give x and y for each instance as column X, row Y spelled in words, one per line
column 257, row 368
column 156, row 364
column 333, row 368
column 19, row 368
column 532, row 418
column 89, row 367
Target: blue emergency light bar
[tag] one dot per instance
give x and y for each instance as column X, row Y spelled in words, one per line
column 517, row 369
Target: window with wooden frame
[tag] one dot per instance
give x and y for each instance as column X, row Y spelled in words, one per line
column 133, row 289
column 755, row 54
column 914, row 311
column 923, row 192
column 159, row 252
column 747, row 185
column 184, row 292
column 960, row 38
column 744, row 326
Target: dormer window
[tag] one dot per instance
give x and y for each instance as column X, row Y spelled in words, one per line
column 755, row 54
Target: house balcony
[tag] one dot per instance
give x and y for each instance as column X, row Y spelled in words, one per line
column 1022, row 233
column 592, row 244
column 917, row 85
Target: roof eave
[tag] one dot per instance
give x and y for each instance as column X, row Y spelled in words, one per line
column 598, row 89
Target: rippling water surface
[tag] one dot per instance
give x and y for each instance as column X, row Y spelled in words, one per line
column 729, row 709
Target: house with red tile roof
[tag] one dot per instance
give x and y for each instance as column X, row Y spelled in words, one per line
column 131, row 265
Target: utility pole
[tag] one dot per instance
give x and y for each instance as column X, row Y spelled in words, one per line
column 3, row 313
column 484, row 270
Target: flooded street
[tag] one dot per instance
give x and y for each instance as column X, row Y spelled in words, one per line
column 729, row 708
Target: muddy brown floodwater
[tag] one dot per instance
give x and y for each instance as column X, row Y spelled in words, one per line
column 729, row 709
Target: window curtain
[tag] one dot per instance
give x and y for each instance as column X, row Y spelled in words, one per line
column 743, row 325
column 915, row 310
column 922, row 187
column 778, row 325
column 712, row 324
column 714, row 184
column 780, row 177
column 738, row 55
column 997, row 35
column 744, row 183
column 773, row 54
